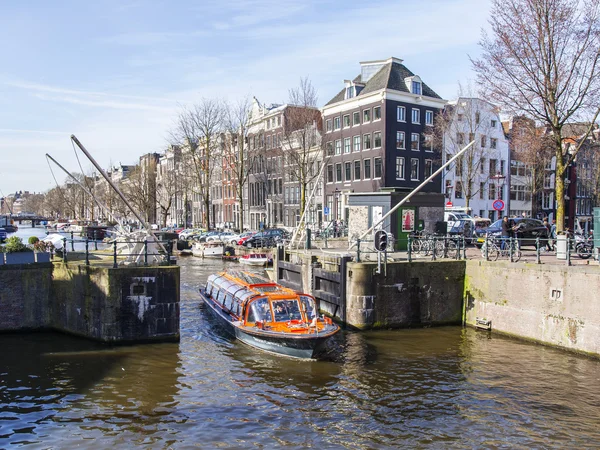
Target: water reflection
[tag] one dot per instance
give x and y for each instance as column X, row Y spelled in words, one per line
column 443, row 387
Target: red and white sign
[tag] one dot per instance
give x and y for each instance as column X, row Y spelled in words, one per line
column 498, row 205
column 449, row 205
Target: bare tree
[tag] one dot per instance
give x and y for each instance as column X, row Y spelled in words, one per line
column 302, row 138
column 238, row 154
column 542, row 60
column 140, row 190
column 199, row 128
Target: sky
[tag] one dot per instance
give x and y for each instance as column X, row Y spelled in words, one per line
column 116, row 73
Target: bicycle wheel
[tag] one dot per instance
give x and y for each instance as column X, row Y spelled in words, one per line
column 451, row 250
column 494, row 253
column 415, row 247
column 516, row 255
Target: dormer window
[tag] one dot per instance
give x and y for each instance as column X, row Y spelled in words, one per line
column 416, row 88
column 350, row 92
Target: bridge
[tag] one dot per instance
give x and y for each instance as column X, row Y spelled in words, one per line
column 33, row 218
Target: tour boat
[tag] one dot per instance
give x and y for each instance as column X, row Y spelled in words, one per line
column 207, row 250
column 255, row 259
column 266, row 315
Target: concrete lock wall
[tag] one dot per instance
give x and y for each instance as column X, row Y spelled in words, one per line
column 128, row 304
column 554, row 305
column 412, row 294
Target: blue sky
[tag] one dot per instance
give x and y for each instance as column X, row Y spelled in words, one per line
column 115, row 73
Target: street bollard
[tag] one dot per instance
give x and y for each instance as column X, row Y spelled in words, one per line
column 87, row 253
column 145, row 252
column 486, row 247
column 568, row 251
column 510, row 249
column 358, row 250
column 409, row 248
column 464, row 248
column 537, row 250
column 95, row 241
column 72, row 243
column 115, row 265
column 433, row 250
column 65, row 249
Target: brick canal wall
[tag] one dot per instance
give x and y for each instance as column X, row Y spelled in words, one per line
column 553, row 305
column 128, row 304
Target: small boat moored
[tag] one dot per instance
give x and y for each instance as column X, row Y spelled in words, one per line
column 266, row 315
column 255, row 259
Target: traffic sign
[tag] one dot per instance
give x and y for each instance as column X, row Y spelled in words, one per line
column 498, row 205
column 326, row 210
column 448, row 204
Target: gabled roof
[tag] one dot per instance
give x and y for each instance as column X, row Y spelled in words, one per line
column 390, row 76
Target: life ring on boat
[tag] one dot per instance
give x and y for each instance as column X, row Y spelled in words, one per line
column 294, row 322
column 327, row 320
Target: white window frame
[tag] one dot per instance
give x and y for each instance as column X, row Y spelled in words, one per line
column 356, row 139
column 398, row 133
column 370, row 142
column 400, row 176
column 332, row 174
column 337, row 120
column 425, row 174
column 380, row 139
column 401, row 114
column 328, row 126
column 347, row 145
column 369, row 112
column 344, row 120
column 416, row 114
column 429, row 117
column 373, row 119
column 354, row 115
column 418, row 141
column 359, row 168
column 337, row 147
column 346, row 164
column 341, row 180
column 364, row 172
column 375, row 177
column 412, row 160
column 428, row 139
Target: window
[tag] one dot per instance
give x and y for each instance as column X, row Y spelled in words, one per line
column 399, row 168
column 348, row 170
column 482, row 166
column 346, row 120
column 400, row 144
column 428, row 117
column 329, row 149
column 349, row 92
column 460, row 117
column 493, row 143
column 377, row 139
column 357, row 143
column 338, row 147
column 377, row 113
column 493, row 124
column 428, row 168
column 366, row 142
column 338, row 173
column 492, row 192
column 414, row 169
column 477, row 117
column 414, row 141
column 416, row 87
column 347, row 145
column 366, row 115
column 493, row 169
column 481, row 191
column 428, row 143
column 367, row 171
column 448, row 158
column 460, row 138
column 378, row 167
column 458, row 190
column 548, row 179
column 416, row 115
column 483, row 140
column 328, row 125
column 357, row 170
column 401, row 114
column 356, row 118
column 336, row 123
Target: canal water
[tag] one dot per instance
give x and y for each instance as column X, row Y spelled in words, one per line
column 442, row 388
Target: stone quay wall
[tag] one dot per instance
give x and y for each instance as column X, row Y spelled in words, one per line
column 123, row 305
column 553, row 305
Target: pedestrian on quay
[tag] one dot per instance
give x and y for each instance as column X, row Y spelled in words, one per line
column 553, row 234
column 548, row 235
column 507, row 228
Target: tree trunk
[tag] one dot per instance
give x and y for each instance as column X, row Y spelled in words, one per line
column 207, row 211
column 559, row 191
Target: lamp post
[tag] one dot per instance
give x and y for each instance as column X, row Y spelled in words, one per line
column 338, row 205
column 500, row 179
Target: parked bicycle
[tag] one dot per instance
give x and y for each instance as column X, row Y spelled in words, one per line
column 501, row 247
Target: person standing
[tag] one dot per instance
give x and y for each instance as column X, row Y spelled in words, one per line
column 506, row 231
column 548, row 234
column 553, row 233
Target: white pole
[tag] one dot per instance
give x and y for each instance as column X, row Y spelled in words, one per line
column 413, row 192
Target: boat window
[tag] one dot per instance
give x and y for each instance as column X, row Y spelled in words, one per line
column 260, row 311
column 220, row 296
column 309, row 306
column 228, row 303
column 285, row 310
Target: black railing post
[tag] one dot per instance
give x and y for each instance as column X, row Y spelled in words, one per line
column 537, row 250
column 95, row 241
column 358, row 250
column 510, row 248
column 115, row 265
column 409, row 248
column 169, row 251
column 65, row 249
column 87, row 252
column 72, row 243
column 433, row 248
column 568, row 251
column 145, row 252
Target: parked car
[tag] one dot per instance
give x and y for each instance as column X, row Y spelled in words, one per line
column 220, row 237
column 528, row 231
column 241, row 237
column 3, row 235
column 267, row 238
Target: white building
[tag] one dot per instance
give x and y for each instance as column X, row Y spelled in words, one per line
column 480, row 176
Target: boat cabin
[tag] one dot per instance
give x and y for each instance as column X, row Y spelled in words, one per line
column 256, row 301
